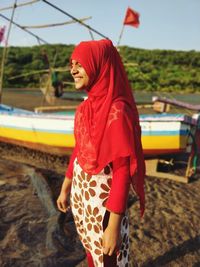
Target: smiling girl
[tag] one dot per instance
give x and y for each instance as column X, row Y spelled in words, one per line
column 108, row 155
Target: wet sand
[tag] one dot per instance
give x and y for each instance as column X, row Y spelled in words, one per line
column 31, row 99
column 167, row 235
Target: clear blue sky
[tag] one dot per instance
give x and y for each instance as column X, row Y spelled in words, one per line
column 169, row 24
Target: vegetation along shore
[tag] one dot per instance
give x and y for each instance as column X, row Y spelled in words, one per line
column 150, row 70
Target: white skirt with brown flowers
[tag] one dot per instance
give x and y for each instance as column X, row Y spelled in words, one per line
column 89, row 194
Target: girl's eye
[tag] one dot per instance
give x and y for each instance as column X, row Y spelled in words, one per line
column 76, row 64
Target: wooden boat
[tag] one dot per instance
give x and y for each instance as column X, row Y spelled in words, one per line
column 161, row 133
column 164, row 136
column 166, row 133
column 45, row 132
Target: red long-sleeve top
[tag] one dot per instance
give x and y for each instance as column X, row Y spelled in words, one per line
column 118, row 195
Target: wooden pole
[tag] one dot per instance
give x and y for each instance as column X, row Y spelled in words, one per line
column 54, row 24
column 5, row 50
column 20, row 5
column 120, row 36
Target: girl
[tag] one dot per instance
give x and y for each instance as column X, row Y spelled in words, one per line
column 107, row 157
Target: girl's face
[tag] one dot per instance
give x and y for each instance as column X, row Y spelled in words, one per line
column 79, row 74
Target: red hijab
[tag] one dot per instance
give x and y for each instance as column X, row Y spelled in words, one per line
column 107, row 123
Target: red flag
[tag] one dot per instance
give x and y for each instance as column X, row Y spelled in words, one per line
column 2, row 33
column 132, row 18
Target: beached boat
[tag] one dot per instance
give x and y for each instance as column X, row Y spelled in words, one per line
column 161, row 133
column 45, row 132
column 167, row 133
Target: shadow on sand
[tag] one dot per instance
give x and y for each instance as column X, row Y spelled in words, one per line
column 176, row 252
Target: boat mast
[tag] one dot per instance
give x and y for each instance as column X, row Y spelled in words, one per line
column 5, row 50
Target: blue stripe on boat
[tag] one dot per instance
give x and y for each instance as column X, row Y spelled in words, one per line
column 164, row 133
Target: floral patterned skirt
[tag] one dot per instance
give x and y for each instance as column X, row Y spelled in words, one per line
column 88, row 198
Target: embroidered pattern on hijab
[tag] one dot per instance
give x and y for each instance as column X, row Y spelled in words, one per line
column 107, row 122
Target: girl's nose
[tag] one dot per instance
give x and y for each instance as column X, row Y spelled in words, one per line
column 74, row 69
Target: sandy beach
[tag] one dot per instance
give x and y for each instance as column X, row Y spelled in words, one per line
column 167, row 235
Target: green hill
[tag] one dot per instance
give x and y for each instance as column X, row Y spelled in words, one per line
column 148, row 70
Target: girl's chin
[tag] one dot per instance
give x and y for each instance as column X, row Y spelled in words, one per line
column 78, row 88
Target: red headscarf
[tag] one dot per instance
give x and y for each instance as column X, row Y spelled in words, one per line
column 107, row 123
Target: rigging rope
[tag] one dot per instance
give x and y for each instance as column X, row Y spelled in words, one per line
column 91, row 34
column 19, row 26
column 82, row 23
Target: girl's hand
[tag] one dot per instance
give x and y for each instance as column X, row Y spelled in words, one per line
column 111, row 235
column 62, row 198
column 62, row 202
column 111, row 241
